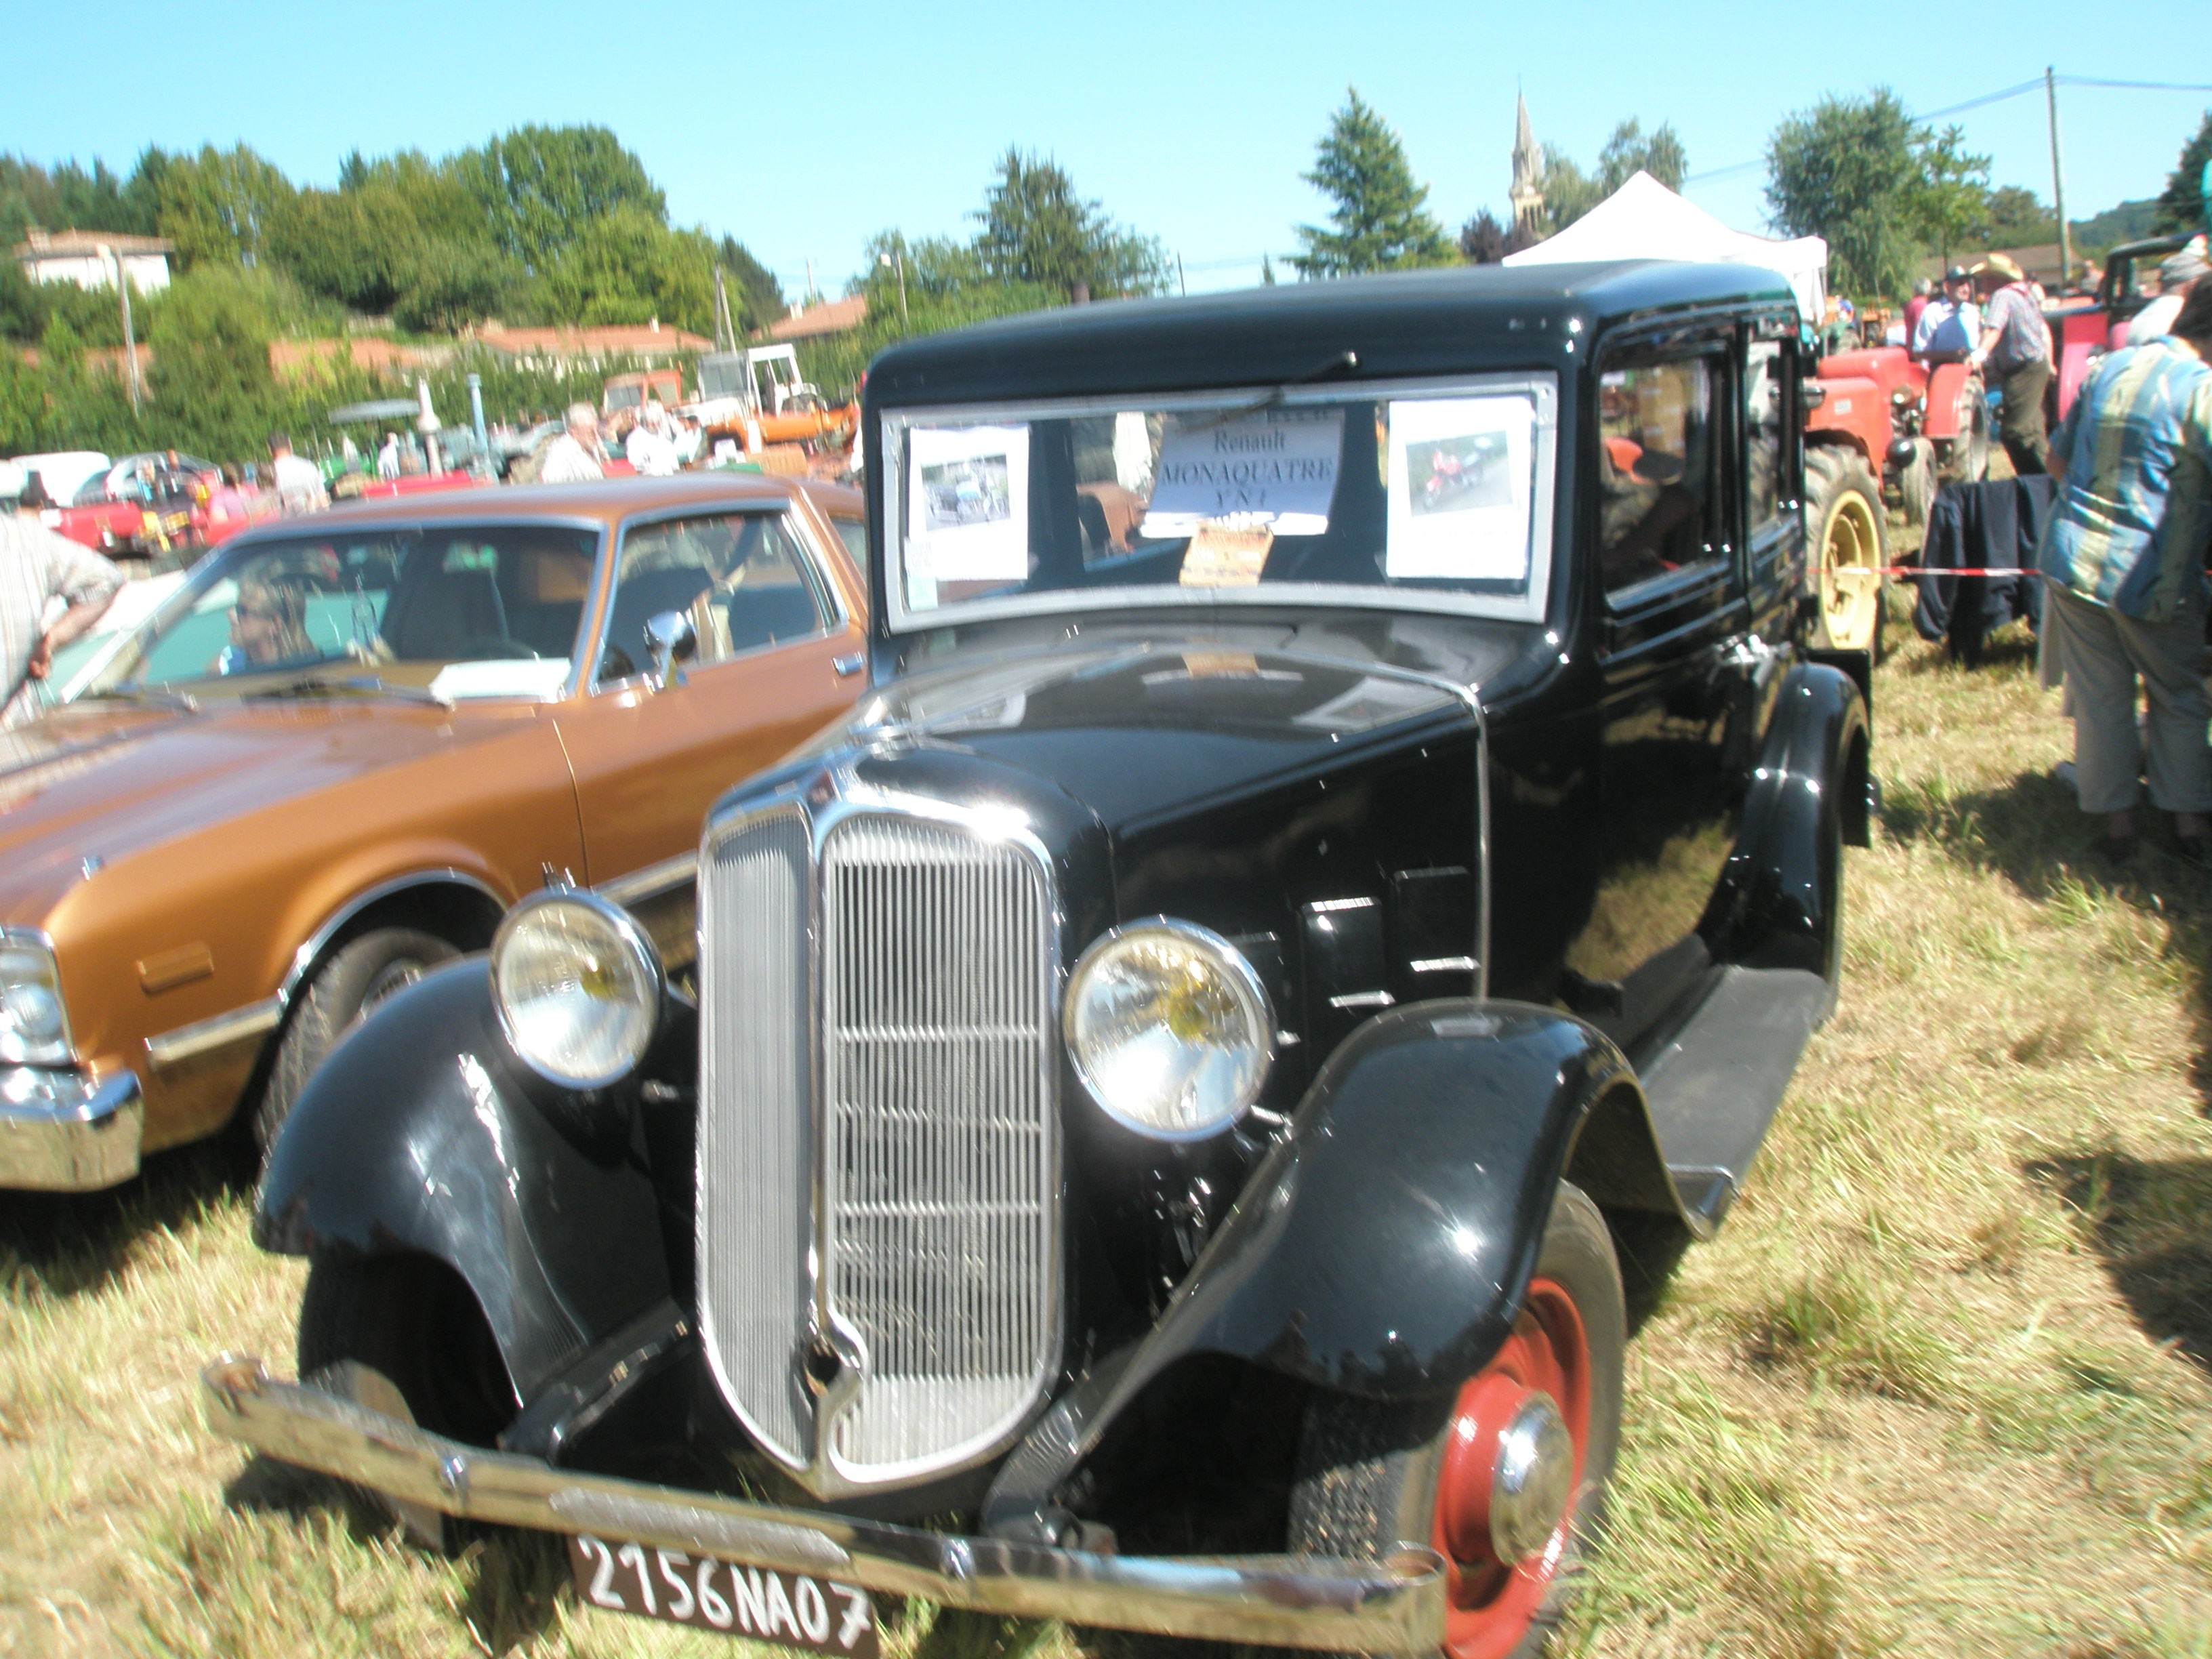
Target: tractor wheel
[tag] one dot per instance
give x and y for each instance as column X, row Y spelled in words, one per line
column 1916, row 486
column 1968, row 458
column 1844, row 532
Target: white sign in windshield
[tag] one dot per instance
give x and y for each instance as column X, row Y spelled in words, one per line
column 1274, row 469
column 968, row 511
column 1459, row 489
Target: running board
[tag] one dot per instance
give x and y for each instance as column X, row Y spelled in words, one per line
column 1713, row 1089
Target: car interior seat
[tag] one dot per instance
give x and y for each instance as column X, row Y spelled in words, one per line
column 764, row 615
column 640, row 596
column 432, row 618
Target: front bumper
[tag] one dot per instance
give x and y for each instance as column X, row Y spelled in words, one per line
column 62, row 1132
column 1374, row 1607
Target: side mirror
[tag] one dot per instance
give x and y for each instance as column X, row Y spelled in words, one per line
column 668, row 636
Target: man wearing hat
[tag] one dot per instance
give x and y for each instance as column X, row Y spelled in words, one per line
column 1951, row 327
column 2015, row 352
column 2175, row 274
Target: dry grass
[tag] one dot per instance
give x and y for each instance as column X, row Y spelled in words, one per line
column 1939, row 1388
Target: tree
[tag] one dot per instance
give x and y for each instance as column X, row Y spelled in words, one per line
column 1845, row 170
column 1380, row 218
column 2181, row 204
column 1484, row 241
column 210, row 345
column 2017, row 218
column 1569, row 192
column 217, row 206
column 1629, row 151
column 539, row 186
column 758, row 300
column 625, row 266
column 1948, row 194
column 1036, row 230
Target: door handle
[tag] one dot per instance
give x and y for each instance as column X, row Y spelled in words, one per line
column 848, row 666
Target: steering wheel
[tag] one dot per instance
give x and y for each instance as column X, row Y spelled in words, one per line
column 492, row 647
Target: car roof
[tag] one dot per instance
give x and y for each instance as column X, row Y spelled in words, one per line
column 1460, row 319
column 605, row 499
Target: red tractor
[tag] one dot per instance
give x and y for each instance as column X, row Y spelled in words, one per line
column 1879, row 422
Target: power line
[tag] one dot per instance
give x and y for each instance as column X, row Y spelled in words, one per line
column 1738, row 169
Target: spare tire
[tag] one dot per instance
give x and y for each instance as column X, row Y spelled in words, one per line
column 1846, row 549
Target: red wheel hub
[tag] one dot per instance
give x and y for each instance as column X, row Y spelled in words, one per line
column 1500, row 1466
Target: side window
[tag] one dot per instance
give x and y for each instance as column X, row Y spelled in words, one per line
column 1763, row 406
column 853, row 532
column 743, row 577
column 1656, row 460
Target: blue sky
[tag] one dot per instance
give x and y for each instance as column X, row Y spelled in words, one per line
column 802, row 130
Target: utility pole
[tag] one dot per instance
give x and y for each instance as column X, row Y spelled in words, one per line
column 130, row 345
column 2058, row 179
column 1182, row 281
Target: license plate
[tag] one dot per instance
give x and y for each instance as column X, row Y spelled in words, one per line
column 789, row 1608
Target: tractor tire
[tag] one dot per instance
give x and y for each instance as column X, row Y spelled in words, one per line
column 1967, row 460
column 1847, row 547
column 1915, row 486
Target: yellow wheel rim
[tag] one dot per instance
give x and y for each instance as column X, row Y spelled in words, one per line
column 1851, row 574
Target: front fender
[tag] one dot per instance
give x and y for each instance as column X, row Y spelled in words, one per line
column 1384, row 1247
column 422, row 1133
column 1780, row 901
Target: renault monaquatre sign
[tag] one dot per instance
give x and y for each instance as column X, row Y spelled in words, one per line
column 1275, row 468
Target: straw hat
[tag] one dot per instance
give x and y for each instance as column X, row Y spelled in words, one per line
column 2003, row 266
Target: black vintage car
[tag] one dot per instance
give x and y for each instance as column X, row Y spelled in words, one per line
column 1145, row 1137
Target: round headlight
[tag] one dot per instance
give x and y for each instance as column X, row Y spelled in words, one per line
column 1169, row 1029
column 578, row 987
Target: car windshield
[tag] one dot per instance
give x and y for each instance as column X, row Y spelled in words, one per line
column 463, row 611
column 1410, row 497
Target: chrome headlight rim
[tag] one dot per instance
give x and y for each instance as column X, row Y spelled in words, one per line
column 635, row 942
column 1244, row 977
column 61, row 1051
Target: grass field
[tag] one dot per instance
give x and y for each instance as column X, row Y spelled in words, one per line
column 1939, row 1387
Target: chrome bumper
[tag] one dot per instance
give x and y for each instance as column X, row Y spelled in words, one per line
column 1373, row 1607
column 60, row 1131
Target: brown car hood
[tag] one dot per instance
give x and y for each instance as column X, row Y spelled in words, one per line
column 109, row 781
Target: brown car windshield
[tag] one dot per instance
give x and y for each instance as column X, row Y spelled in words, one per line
column 463, row 611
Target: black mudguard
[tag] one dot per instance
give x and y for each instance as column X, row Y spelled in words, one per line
column 424, row 1134
column 1780, row 901
column 1384, row 1249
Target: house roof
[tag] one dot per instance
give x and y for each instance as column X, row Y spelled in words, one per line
column 613, row 340
column 830, row 317
column 76, row 244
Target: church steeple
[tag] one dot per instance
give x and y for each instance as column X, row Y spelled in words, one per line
column 1528, row 192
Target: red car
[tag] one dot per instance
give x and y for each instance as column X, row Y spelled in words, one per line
column 142, row 505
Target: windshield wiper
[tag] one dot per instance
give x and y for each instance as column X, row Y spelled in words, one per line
column 177, row 700
column 1343, row 363
column 361, row 685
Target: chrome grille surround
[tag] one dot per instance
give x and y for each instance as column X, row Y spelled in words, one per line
column 906, row 1101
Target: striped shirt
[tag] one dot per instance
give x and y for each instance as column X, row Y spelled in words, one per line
column 2129, row 527
column 36, row 566
column 2016, row 321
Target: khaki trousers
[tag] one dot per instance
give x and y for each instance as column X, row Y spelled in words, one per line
column 2102, row 655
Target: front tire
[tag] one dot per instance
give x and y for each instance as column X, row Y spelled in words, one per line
column 361, row 973
column 1845, row 529
column 1373, row 1474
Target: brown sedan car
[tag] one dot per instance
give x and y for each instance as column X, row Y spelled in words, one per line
column 340, row 750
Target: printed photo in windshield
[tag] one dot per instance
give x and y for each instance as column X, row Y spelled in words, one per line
column 1431, row 499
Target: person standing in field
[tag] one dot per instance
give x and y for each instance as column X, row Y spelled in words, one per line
column 2123, row 554
column 2015, row 351
column 576, row 456
column 299, row 480
column 37, row 567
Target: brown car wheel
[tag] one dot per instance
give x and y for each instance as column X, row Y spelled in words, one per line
column 1506, row 1478
column 360, row 973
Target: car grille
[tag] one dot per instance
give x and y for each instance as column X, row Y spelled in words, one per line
column 938, row 1176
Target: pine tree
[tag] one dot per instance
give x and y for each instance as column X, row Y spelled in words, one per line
column 1380, row 221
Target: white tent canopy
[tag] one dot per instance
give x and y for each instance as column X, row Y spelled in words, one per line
column 1644, row 220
